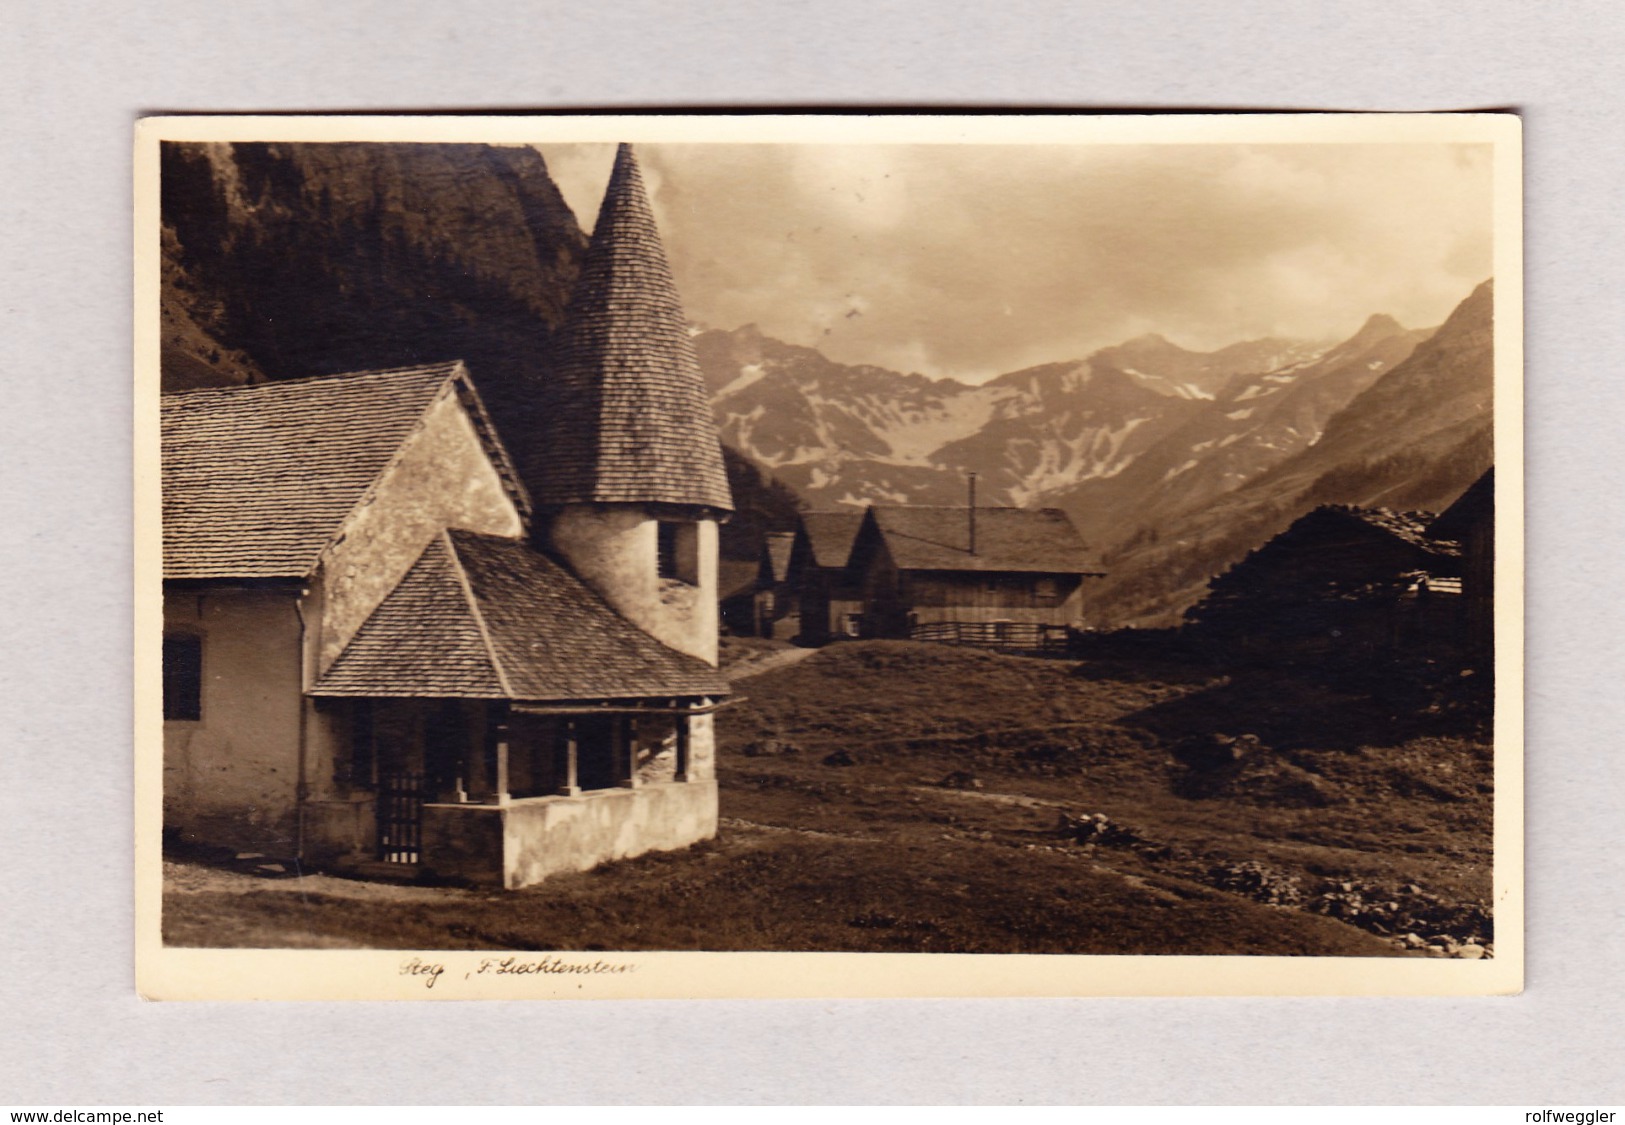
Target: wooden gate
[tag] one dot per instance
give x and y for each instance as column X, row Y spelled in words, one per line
column 400, row 817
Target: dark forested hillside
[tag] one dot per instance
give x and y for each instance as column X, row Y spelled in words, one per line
column 284, row 260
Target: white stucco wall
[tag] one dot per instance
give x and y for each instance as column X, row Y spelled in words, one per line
column 231, row 776
column 614, row 548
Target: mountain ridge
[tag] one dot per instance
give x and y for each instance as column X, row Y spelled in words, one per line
column 849, row 434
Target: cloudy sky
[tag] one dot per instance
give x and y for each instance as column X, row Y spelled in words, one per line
column 969, row 261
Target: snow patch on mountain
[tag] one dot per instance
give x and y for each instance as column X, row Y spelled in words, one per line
column 748, row 374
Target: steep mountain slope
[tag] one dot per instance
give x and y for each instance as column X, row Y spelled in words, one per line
column 1437, row 398
column 1255, row 423
column 1415, row 438
column 284, row 260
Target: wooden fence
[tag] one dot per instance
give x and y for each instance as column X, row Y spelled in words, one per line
column 1006, row 636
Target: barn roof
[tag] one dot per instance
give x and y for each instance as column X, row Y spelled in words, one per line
column 737, row 577
column 624, row 415
column 1040, row 540
column 258, row 479
column 777, row 545
column 830, row 535
column 1333, row 551
column 481, row 617
column 1410, row 527
column 1476, row 505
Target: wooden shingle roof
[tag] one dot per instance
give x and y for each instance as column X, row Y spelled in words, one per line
column 1411, row 528
column 1041, row 540
column 623, row 414
column 737, row 578
column 257, row 480
column 482, row 617
column 777, row 547
column 830, row 535
column 423, row 641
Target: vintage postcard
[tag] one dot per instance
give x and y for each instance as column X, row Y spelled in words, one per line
column 828, row 556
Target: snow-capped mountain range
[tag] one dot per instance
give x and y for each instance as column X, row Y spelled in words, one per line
column 852, row 435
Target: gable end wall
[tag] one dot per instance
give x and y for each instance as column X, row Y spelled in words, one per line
column 442, row 478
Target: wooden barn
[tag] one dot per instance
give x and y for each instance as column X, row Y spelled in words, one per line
column 757, row 599
column 828, row 598
column 1001, row 577
column 385, row 644
column 1470, row 521
column 1340, row 581
column 736, row 595
column 778, row 613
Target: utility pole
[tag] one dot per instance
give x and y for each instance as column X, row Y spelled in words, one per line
column 971, row 507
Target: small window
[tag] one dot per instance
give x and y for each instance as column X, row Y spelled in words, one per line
column 183, row 677
column 678, row 552
column 1046, row 588
column 668, row 550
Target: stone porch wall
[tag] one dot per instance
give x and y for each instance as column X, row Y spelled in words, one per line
column 525, row 841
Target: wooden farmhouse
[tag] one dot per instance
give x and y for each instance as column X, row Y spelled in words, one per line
column 777, row 612
column 1341, row 580
column 829, row 601
column 737, row 580
column 385, row 643
column 756, row 597
column 1470, row 521
column 1006, row 577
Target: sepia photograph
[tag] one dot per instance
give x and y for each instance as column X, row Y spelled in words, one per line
column 583, row 553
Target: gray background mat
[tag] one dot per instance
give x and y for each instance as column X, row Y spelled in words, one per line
column 74, row 77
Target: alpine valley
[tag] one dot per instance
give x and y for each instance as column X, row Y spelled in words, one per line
column 1172, row 463
column 282, row 260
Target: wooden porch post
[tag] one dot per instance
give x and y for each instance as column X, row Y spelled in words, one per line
column 572, row 785
column 479, row 771
column 683, row 748
column 502, row 743
column 626, row 738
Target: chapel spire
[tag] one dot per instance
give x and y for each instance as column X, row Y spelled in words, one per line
column 624, row 417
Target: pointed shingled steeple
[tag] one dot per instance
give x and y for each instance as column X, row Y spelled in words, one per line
column 624, row 416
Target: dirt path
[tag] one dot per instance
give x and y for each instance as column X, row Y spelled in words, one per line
column 194, row 878
column 755, row 665
column 734, row 822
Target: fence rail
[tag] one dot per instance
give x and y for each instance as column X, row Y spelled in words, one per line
column 1008, row 636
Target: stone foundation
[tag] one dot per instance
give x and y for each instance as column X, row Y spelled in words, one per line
column 524, row 841
column 338, row 828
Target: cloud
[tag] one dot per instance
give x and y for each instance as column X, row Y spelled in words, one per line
column 974, row 260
